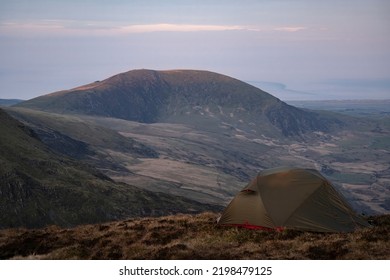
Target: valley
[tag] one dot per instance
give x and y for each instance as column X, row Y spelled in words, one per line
column 212, row 165
column 227, row 160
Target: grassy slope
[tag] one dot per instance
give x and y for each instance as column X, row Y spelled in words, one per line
column 39, row 187
column 191, row 237
column 79, row 129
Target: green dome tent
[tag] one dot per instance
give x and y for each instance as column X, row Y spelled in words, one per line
column 291, row 198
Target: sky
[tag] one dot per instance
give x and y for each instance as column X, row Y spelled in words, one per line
column 293, row 49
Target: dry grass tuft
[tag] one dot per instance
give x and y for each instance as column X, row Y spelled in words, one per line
column 191, row 237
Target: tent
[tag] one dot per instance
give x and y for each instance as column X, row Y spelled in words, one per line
column 293, row 198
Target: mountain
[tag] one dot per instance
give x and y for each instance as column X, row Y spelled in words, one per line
column 149, row 96
column 39, row 187
column 9, row 102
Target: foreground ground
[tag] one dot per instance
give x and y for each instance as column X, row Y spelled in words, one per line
column 191, row 237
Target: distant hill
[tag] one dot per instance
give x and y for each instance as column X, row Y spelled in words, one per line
column 149, row 96
column 39, row 187
column 10, row 102
column 360, row 108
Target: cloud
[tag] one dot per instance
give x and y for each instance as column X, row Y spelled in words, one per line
column 177, row 28
column 30, row 26
column 161, row 27
column 290, row 28
column 54, row 27
column 70, row 27
column 61, row 27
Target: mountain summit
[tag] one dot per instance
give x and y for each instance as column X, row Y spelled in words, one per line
column 150, row 96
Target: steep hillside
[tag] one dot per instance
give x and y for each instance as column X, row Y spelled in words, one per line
column 79, row 138
column 40, row 187
column 180, row 96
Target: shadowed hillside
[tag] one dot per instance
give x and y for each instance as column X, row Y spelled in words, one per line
column 191, row 237
column 39, row 187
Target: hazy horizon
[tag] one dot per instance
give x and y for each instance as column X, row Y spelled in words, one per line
column 295, row 50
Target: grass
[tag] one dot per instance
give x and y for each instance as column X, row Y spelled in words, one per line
column 191, row 237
